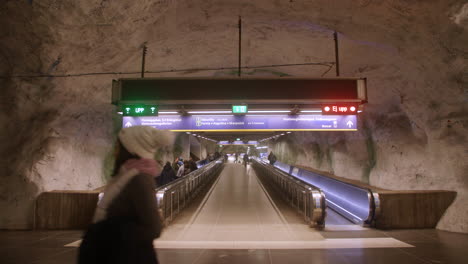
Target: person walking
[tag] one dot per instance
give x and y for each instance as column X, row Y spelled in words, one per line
column 246, row 159
column 126, row 220
column 187, row 167
column 167, row 175
column 175, row 164
column 181, row 170
column 192, row 164
column 272, row 158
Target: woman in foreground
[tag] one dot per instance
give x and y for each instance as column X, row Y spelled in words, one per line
column 126, row 220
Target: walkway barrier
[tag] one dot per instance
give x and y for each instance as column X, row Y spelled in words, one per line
column 64, row 209
column 74, row 209
column 357, row 204
column 305, row 197
column 371, row 206
column 174, row 196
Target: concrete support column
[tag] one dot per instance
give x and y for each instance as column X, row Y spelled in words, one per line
column 185, row 142
column 195, row 146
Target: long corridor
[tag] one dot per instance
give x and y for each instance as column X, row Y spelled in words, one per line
column 237, row 212
column 237, row 221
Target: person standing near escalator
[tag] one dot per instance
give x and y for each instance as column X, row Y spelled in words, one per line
column 176, row 164
column 272, row 158
column 167, row 175
column 193, row 165
column 126, row 220
column 246, row 159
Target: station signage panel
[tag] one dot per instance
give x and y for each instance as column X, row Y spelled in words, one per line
column 228, row 123
column 339, row 109
column 140, row 110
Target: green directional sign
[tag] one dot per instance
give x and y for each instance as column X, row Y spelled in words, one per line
column 140, row 110
column 239, row 109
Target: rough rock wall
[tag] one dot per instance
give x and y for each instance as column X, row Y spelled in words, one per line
column 59, row 128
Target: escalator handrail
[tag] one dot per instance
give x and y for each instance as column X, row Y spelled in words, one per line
column 317, row 207
column 372, row 197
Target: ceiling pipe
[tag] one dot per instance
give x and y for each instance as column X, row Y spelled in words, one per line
column 337, row 58
column 240, row 46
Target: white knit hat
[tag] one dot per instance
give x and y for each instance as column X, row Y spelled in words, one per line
column 144, row 140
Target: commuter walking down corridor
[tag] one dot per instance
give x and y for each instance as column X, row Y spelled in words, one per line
column 272, row 158
column 167, row 175
column 126, row 219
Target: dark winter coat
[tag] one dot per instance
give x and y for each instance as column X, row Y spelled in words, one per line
column 167, row 175
column 126, row 235
column 272, row 158
column 193, row 165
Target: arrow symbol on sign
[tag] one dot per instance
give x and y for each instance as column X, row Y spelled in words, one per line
column 350, row 124
column 128, row 124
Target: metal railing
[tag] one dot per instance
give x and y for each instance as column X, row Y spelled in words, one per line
column 306, row 198
column 174, row 196
column 357, row 204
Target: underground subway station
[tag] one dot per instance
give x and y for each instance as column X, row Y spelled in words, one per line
column 234, row 131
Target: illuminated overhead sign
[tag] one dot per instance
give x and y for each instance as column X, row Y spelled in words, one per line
column 231, row 123
column 339, row 109
column 239, row 109
column 140, row 110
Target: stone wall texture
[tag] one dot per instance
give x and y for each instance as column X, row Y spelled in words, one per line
column 57, row 60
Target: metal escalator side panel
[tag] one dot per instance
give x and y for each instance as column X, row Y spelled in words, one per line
column 173, row 197
column 352, row 202
column 375, row 209
column 348, row 200
column 318, row 209
column 306, row 198
column 161, row 204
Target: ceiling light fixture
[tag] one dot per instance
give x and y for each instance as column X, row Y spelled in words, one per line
column 269, row 111
column 311, row 111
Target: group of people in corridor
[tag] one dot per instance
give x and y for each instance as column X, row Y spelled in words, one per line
column 173, row 171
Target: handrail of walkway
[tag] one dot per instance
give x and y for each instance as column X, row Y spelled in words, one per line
column 174, row 196
column 357, row 204
column 306, row 198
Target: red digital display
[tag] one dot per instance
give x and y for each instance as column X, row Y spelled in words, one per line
column 339, row 109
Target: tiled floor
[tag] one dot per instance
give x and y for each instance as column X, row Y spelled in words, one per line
column 236, row 223
column 430, row 246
